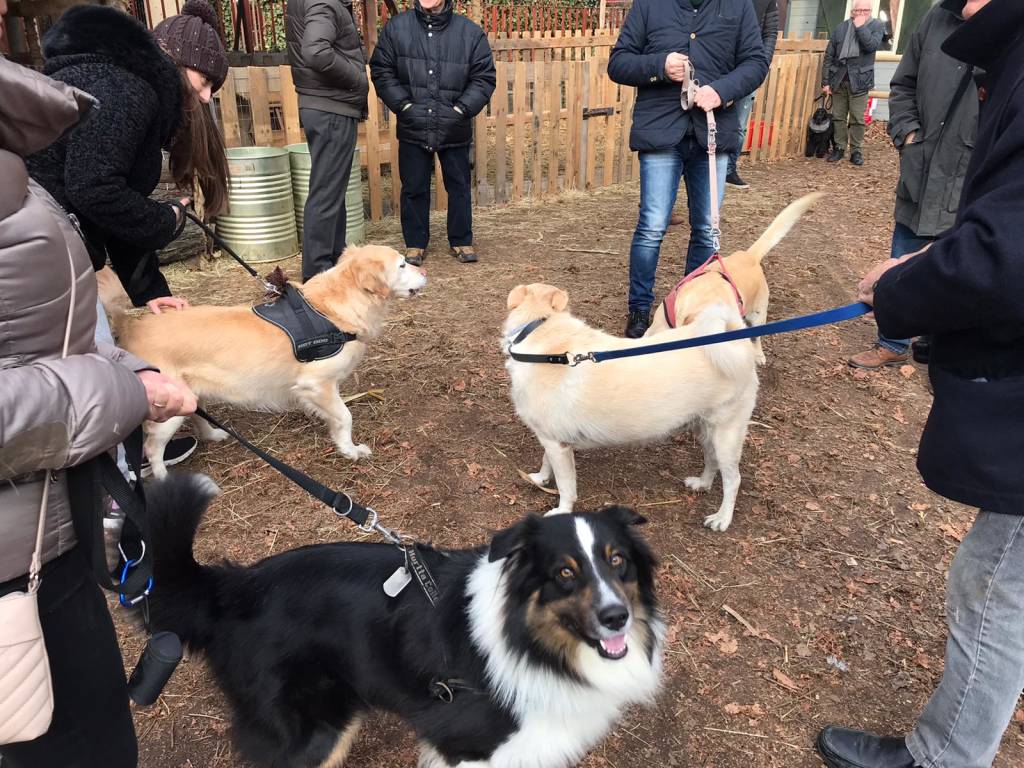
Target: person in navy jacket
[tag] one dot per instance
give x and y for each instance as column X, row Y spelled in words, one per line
column 966, row 290
column 722, row 39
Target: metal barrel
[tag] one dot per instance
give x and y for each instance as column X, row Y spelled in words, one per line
column 355, row 220
column 260, row 223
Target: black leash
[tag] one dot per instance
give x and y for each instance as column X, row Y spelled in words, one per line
column 212, row 234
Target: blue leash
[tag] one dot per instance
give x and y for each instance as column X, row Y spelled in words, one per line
column 826, row 317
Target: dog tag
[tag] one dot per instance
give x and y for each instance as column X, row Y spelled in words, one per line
column 397, row 581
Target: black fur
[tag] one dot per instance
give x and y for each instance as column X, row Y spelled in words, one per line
column 305, row 641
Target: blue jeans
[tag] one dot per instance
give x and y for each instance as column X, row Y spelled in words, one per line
column 660, row 172
column 743, row 107
column 904, row 241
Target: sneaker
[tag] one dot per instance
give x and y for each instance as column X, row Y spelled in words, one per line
column 464, row 253
column 922, row 350
column 415, row 256
column 836, row 156
column 638, row 323
column 856, row 157
column 877, row 357
column 176, row 451
column 734, row 180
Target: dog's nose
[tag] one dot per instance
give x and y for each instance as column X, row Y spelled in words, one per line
column 613, row 616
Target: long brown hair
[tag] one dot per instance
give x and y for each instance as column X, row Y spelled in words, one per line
column 197, row 151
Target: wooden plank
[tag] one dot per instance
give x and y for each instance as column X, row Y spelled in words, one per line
column 500, row 102
column 440, row 193
column 611, row 131
column 575, row 72
column 540, row 86
column 259, row 105
column 760, row 106
column 519, row 134
column 290, row 107
column 591, row 129
column 373, row 155
column 806, row 97
column 785, row 104
column 771, row 112
column 480, row 139
column 229, row 111
column 554, row 74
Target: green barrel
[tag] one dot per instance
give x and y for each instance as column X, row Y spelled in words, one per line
column 260, row 223
column 355, row 221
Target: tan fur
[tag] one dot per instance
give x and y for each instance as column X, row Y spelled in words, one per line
column 229, row 355
column 343, row 746
column 745, row 269
column 547, row 626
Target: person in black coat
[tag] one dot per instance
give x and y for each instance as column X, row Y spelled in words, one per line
column 966, row 290
column 434, row 69
column 722, row 39
column 104, row 172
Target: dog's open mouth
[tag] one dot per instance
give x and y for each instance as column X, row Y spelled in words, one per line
column 613, row 647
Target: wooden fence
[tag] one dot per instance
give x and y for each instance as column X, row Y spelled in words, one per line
column 556, row 123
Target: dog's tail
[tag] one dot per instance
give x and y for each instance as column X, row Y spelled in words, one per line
column 734, row 359
column 185, row 593
column 112, row 296
column 784, row 222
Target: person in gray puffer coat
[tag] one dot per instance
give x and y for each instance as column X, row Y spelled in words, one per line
column 57, row 412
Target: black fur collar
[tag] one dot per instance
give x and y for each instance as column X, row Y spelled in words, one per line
column 89, row 34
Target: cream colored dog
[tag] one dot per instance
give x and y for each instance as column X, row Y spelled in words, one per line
column 745, row 272
column 632, row 400
column 229, row 355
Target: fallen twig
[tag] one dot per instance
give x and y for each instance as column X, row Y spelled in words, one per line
column 757, row 736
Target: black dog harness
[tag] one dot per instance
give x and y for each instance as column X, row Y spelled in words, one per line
column 313, row 336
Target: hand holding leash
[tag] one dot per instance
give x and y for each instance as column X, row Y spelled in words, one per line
column 707, row 98
column 676, row 67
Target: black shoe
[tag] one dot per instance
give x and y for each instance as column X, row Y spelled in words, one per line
column 176, row 451
column 921, row 349
column 638, row 323
column 856, row 157
column 836, row 156
column 846, row 748
column 734, row 180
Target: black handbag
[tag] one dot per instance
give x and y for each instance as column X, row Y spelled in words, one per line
column 820, row 130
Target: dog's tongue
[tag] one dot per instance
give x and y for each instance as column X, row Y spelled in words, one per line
column 615, row 646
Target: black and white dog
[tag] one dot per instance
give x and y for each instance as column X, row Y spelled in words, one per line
column 537, row 645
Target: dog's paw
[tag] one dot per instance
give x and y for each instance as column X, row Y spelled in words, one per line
column 539, row 479
column 216, row 435
column 759, row 358
column 698, row 483
column 557, row 511
column 719, row 521
column 356, row 452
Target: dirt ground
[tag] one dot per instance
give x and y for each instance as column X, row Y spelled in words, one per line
column 822, row 603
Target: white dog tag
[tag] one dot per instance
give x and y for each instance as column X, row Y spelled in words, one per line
column 397, row 581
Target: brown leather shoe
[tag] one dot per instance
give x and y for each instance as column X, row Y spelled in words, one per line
column 415, row 256
column 464, row 253
column 877, row 357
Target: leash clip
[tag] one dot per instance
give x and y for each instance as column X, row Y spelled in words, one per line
column 371, row 521
column 582, row 358
column 131, row 602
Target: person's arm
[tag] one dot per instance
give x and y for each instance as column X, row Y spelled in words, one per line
column 904, row 117
column 770, row 29
column 384, row 73
column 59, row 413
column 628, row 64
column 325, row 24
column 751, row 61
column 973, row 276
column 482, row 78
column 99, row 159
column 870, row 35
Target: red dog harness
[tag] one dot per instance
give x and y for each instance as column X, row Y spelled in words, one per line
column 670, row 300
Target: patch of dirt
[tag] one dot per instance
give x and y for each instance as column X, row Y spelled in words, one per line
column 835, row 562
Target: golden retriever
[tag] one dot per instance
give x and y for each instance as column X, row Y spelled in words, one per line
column 230, row 355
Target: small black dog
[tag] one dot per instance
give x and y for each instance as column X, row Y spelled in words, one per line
column 820, row 130
column 536, row 646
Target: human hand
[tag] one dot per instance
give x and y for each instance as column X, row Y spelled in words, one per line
column 910, row 138
column 860, row 18
column 866, row 287
column 675, row 67
column 827, row 90
column 707, row 98
column 167, row 397
column 156, row 306
column 179, row 213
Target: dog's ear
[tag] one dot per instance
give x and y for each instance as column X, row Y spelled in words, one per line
column 559, row 300
column 511, row 540
column 623, row 515
column 369, row 274
column 516, row 296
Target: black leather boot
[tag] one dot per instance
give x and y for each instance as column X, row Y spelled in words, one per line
column 846, row 748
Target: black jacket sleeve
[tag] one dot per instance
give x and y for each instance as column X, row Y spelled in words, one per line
column 384, row 72
column 482, row 78
column 100, row 155
column 628, row 64
column 770, row 29
column 904, row 117
column 830, row 63
column 870, row 36
column 326, row 23
column 973, row 276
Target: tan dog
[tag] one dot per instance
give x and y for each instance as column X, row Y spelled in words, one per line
column 631, row 400
column 229, row 355
column 745, row 272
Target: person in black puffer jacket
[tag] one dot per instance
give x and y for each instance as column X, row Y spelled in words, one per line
column 105, row 171
column 434, row 69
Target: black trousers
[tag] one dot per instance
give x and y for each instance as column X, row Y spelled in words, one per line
column 416, row 169
column 92, row 722
column 332, row 142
